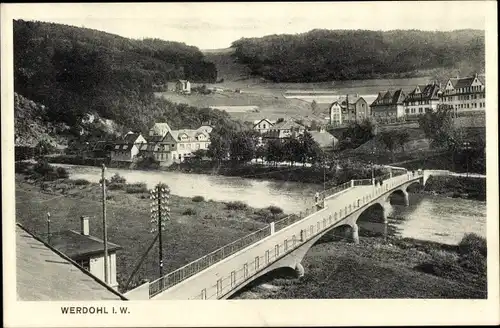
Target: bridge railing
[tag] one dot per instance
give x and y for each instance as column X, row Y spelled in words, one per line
column 291, row 240
column 332, row 191
column 363, row 182
column 206, row 261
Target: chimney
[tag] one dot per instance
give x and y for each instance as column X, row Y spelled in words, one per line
column 85, row 228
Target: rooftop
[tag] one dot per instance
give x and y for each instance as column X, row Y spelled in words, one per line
column 75, row 245
column 45, row 274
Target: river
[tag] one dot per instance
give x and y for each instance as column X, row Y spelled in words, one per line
column 432, row 218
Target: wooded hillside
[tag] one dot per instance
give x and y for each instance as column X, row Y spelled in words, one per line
column 78, row 71
column 324, row 55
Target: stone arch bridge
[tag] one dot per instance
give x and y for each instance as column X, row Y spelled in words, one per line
column 282, row 244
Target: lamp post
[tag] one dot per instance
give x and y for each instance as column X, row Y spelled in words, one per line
column 159, row 214
column 467, row 147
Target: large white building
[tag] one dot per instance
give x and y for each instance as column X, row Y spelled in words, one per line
column 466, row 95
column 169, row 146
column 423, row 99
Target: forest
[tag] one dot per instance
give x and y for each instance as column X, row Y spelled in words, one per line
column 326, row 55
column 76, row 71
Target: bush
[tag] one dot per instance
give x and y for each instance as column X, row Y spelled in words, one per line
column 118, row 179
column 275, row 209
column 80, row 182
column 442, row 264
column 136, row 188
column 473, row 262
column 116, row 186
column 62, row 173
column 62, row 186
column 189, row 211
column 472, row 243
column 198, row 199
column 237, row 205
column 43, row 168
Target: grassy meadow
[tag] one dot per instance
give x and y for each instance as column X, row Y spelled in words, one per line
column 373, row 269
column 196, row 227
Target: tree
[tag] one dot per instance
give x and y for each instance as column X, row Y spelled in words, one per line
column 220, row 143
column 390, row 140
column 260, row 152
column 242, row 146
column 274, row 151
column 403, row 137
column 43, row 147
column 292, row 150
column 439, row 128
column 310, row 149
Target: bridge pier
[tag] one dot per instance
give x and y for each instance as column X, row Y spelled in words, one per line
column 407, row 198
column 355, row 233
column 299, row 270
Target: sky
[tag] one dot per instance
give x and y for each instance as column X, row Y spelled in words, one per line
column 216, row 25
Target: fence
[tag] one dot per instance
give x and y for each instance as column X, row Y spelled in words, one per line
column 332, row 191
column 208, row 260
column 363, row 182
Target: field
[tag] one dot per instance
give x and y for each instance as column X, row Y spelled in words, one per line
column 195, row 228
column 269, row 97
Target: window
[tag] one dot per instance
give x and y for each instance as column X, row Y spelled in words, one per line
column 85, row 263
column 181, row 146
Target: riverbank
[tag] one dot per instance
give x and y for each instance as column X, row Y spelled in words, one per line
column 456, row 187
column 304, row 174
column 448, row 186
column 400, row 268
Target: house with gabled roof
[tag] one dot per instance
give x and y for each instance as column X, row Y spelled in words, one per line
column 263, row 125
column 353, row 108
column 45, row 273
column 465, row 94
column 285, row 129
column 127, row 149
column 389, row 106
column 423, row 99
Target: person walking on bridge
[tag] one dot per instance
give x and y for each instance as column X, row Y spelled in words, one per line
column 316, row 197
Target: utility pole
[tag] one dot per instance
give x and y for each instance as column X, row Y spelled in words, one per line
column 159, row 214
column 48, row 228
column 104, row 226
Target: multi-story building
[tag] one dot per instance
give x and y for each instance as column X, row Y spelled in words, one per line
column 351, row 108
column 422, row 99
column 389, row 106
column 177, row 145
column 173, row 146
column 466, row 95
column 335, row 113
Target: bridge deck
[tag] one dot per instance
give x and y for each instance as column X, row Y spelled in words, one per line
column 238, row 269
